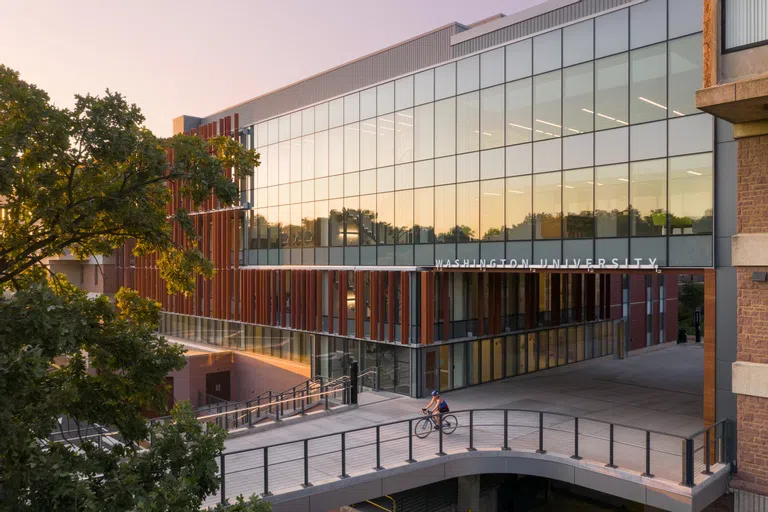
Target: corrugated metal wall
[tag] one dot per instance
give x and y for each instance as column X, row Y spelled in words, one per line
column 419, row 53
column 547, row 20
column 746, row 22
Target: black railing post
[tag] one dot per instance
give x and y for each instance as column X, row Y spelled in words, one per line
column 258, row 406
column 353, row 369
column 269, row 409
column 277, row 412
column 610, row 450
column 282, row 404
column 440, row 452
column 410, row 458
column 647, row 455
column 378, row 449
column 222, row 472
column 266, row 473
column 303, row 412
column 226, row 419
column 326, row 396
column 471, row 433
column 343, row 456
column 688, row 463
column 506, row 431
column 706, row 454
column 293, row 393
column 250, row 414
column 575, row 455
column 306, row 392
column 306, row 464
column 541, row 434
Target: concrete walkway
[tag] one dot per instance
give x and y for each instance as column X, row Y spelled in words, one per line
column 658, row 389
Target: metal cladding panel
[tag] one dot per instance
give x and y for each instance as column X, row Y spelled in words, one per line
column 536, row 24
column 410, row 56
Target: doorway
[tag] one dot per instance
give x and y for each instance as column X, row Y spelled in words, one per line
column 217, row 386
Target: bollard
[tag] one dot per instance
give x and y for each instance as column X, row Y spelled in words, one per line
column 610, row 451
column 541, row 434
column 410, row 458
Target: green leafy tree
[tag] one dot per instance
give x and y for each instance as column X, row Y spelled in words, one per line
column 86, row 180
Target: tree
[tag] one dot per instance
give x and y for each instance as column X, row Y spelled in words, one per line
column 690, row 297
column 87, row 180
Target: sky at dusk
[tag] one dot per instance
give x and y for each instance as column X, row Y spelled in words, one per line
column 195, row 57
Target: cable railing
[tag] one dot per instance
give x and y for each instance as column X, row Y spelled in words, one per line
column 325, row 458
column 298, row 400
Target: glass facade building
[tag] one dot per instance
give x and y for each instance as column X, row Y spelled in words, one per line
column 579, row 141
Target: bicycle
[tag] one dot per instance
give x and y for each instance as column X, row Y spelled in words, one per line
column 424, row 426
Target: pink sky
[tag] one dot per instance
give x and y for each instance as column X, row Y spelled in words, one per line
column 195, row 57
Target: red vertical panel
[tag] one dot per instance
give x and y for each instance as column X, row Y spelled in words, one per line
column 381, row 290
column 281, row 275
column 405, row 307
column 331, row 279
column 374, row 305
column 237, row 125
column 445, row 305
column 589, row 296
column 359, row 304
column 391, row 306
column 555, row 298
column 305, row 302
column 480, row 304
column 311, row 303
column 319, row 300
column 342, row 302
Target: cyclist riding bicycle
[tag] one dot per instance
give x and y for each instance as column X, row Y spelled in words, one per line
column 437, row 407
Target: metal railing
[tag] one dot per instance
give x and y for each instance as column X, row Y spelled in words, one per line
column 297, row 400
column 291, row 465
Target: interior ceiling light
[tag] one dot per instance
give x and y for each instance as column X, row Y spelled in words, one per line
column 652, row 102
column 547, row 122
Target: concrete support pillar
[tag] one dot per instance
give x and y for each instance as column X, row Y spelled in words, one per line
column 469, row 493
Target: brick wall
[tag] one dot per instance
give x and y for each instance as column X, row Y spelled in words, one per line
column 752, row 314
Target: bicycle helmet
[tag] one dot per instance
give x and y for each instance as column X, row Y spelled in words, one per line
column 435, row 393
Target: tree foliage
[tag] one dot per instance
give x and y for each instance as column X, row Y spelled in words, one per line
column 86, row 180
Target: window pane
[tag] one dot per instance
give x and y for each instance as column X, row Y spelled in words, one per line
column 285, row 128
column 468, row 212
column 492, row 208
column 424, row 87
column 307, row 191
column 467, row 122
column 296, row 160
column 404, row 136
column 467, row 167
column 368, row 182
column 546, row 52
column 518, row 216
column 385, row 98
column 321, row 154
column 684, row 75
column 424, row 133
column 404, row 217
column 351, row 184
column 519, row 105
column 403, row 176
column 445, row 213
column 352, row 213
column 611, row 200
column 491, row 68
column 492, row 164
column 519, row 60
column 368, row 218
column 368, row 103
column 321, row 189
column 578, row 111
column 445, row 81
column 321, row 117
column 546, row 106
column 284, row 159
column 578, row 43
column 296, row 125
column 262, row 135
column 336, row 222
column 445, row 127
column 385, row 152
column 336, row 187
column 368, row 144
column 612, row 83
column 690, row 194
column 404, row 93
column 445, row 170
column 274, row 132
column 648, row 198
column 468, row 75
column 385, row 205
column 336, row 151
column 352, row 147
column 577, row 203
column 308, row 157
column 336, row 113
column 321, row 224
column 424, row 174
column 386, row 179
column 612, row 33
column 274, row 169
column 648, row 82
column 308, row 121
column 492, row 117
column 351, row 108
column 547, row 205
column 423, row 216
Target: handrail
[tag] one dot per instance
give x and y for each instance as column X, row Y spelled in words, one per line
column 269, row 405
column 564, row 425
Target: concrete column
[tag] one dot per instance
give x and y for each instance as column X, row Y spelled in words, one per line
column 469, row 493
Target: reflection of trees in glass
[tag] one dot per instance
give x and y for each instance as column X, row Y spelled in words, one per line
column 579, row 225
column 548, row 225
column 612, row 223
column 521, row 230
column 652, row 224
column 691, row 225
column 424, row 234
column 493, row 234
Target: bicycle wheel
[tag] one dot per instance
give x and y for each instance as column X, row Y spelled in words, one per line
column 422, row 428
column 449, row 424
